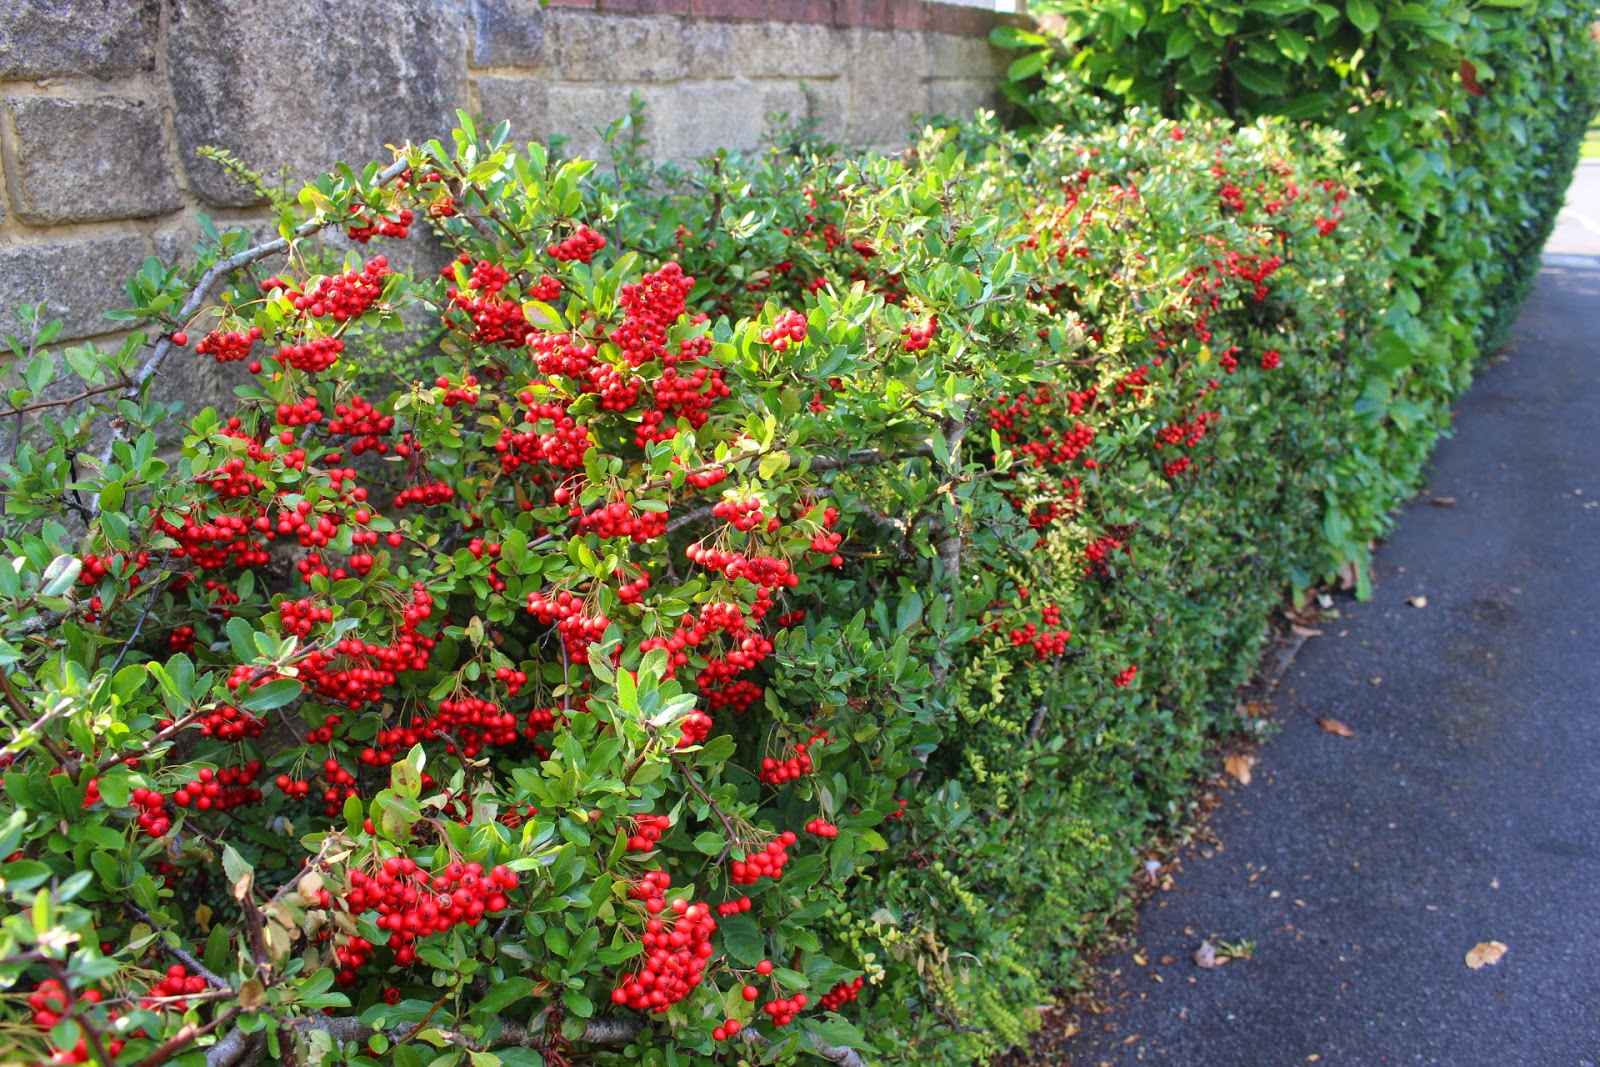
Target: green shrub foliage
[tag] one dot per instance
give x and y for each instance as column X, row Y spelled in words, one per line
column 765, row 628
column 1466, row 117
column 752, row 612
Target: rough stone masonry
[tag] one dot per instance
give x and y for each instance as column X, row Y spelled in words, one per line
column 104, row 102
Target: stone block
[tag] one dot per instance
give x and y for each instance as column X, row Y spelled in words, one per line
column 507, row 33
column 76, row 38
column 694, row 119
column 616, row 48
column 764, row 50
column 82, row 279
column 271, row 83
column 885, row 89
column 88, row 160
column 828, row 104
column 950, row 56
column 959, row 98
column 580, row 112
column 524, row 102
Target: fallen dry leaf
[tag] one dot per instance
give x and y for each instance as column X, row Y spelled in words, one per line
column 1417, row 601
column 1334, row 726
column 1484, row 954
column 1239, row 767
column 1206, row 956
column 1442, row 501
column 1348, row 575
column 1304, row 631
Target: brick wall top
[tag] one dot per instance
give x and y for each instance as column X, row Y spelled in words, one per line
column 921, row 16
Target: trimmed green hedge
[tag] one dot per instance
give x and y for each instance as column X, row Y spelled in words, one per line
column 1467, row 118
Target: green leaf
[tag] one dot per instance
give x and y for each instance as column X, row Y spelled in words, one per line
column 742, row 940
column 275, row 694
column 1363, row 15
column 501, row 994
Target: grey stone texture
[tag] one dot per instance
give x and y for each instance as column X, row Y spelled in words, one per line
column 77, row 38
column 763, row 50
column 524, row 102
column 692, row 119
column 883, row 99
column 82, row 279
column 277, row 83
column 506, row 33
column 578, row 112
column 104, row 102
column 605, row 48
column 87, row 160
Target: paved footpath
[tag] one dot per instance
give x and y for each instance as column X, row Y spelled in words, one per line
column 1466, row 808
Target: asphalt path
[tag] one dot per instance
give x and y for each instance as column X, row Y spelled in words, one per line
column 1466, row 808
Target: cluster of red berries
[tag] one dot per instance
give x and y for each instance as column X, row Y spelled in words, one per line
column 647, row 830
column 153, row 818
column 767, row 863
column 51, row 1002
column 919, row 336
column 674, row 959
column 221, row 790
column 617, row 519
column 341, row 297
column 742, row 515
column 228, row 346
column 496, row 319
column 369, row 226
column 782, row 1009
column 563, row 445
column 1271, row 359
column 822, row 828
column 778, row 772
column 177, row 982
column 412, row 904
column 1125, row 678
column 181, row 639
column 788, row 327
column 300, row 617
column 477, row 722
column 769, row 572
column 841, row 994
column 427, row 495
column 360, row 419
column 583, row 246
column 313, row 356
column 228, row 723
column 513, row 679
column 578, row 631
column 465, row 393
column 734, row 907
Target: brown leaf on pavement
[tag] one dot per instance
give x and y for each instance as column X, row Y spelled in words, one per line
column 1334, row 726
column 1485, row 953
column 1442, row 501
column 1239, row 766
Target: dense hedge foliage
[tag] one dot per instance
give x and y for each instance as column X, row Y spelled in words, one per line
column 748, row 612
column 1465, row 115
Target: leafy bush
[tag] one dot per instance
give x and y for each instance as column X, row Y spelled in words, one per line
column 1467, row 116
column 766, row 630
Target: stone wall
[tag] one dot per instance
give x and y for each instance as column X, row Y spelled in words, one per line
column 104, row 102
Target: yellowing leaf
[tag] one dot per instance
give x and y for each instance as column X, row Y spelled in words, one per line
column 1334, row 726
column 1484, row 954
column 1239, row 767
